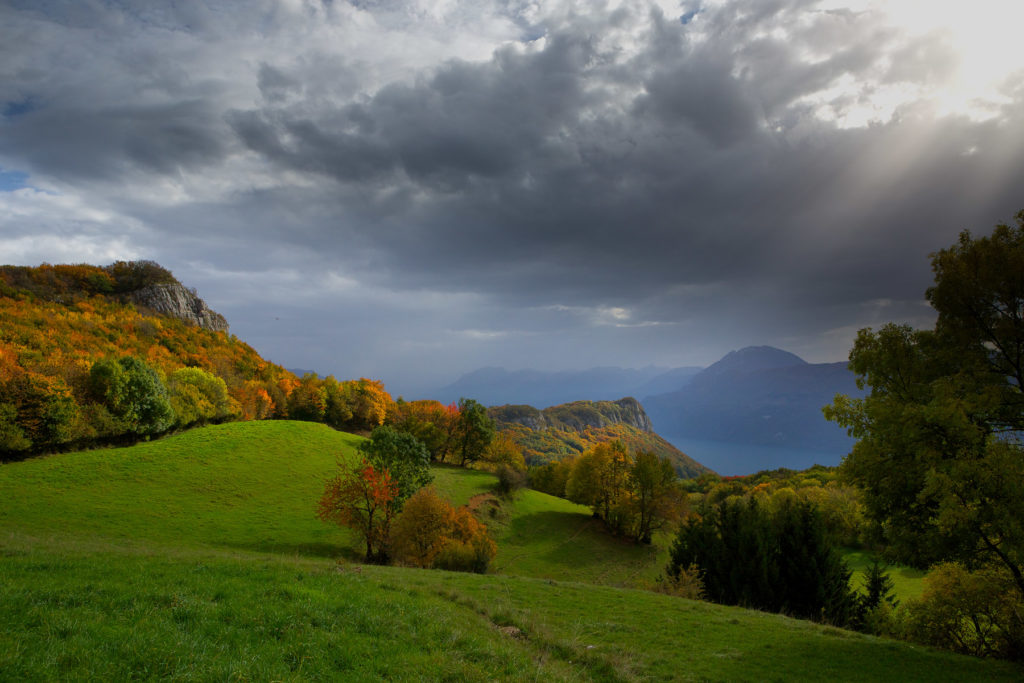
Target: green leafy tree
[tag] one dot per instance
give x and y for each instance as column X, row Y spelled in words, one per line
column 403, row 456
column 473, row 433
column 198, row 396
column 133, row 393
column 12, row 436
column 939, row 455
column 656, row 499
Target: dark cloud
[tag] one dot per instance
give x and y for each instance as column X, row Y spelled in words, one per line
column 600, row 181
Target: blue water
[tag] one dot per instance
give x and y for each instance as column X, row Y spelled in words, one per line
column 728, row 458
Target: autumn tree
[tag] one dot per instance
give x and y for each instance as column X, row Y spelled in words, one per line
column 362, row 498
column 307, row 400
column 428, row 421
column 598, row 479
column 337, row 411
column 503, row 451
column 368, row 402
column 254, row 402
column 44, row 411
column 421, row 529
column 198, row 396
column 469, row 547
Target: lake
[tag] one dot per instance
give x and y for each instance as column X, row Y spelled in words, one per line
column 728, row 458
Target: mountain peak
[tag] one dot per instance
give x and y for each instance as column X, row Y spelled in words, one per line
column 752, row 359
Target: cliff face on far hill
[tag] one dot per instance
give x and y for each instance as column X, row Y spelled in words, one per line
column 578, row 415
column 569, row 429
column 172, row 299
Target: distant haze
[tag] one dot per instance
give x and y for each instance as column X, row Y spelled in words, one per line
column 413, row 190
column 755, row 408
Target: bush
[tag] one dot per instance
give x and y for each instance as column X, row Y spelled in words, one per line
column 510, row 479
column 978, row 613
column 686, row 583
column 421, row 530
column 429, row 532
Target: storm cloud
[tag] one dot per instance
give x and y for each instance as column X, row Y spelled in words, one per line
column 424, row 188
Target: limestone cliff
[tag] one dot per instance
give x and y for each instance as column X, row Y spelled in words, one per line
column 172, row 299
column 578, row 415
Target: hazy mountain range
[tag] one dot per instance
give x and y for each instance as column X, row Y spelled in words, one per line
column 494, row 386
column 758, row 396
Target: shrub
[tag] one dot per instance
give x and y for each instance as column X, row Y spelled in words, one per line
column 686, row 583
column 429, row 532
column 421, row 530
column 979, row 613
column 510, row 479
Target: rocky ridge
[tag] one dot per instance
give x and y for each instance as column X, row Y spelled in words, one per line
column 577, row 416
column 174, row 300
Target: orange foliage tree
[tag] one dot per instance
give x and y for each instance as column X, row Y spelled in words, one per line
column 429, row 532
column 362, row 498
column 429, row 421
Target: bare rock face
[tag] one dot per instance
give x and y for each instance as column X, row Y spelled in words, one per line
column 172, row 299
column 630, row 412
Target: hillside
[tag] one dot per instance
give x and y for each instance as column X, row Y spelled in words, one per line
column 571, row 428
column 760, row 396
column 199, row 556
column 58, row 321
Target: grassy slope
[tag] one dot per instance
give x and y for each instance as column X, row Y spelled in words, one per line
column 907, row 582
column 86, row 610
column 199, row 556
column 249, row 485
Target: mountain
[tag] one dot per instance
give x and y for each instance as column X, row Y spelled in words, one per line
column 496, row 386
column 759, row 396
column 749, row 360
column 564, row 430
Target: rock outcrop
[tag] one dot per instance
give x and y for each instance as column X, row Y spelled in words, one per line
column 172, row 299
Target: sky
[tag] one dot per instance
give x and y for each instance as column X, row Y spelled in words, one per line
column 413, row 190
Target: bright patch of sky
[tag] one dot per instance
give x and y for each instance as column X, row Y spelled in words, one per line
column 983, row 36
column 12, row 180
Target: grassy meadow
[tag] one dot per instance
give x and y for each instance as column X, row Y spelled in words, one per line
column 199, row 557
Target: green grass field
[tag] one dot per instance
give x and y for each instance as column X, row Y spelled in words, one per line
column 907, row 582
column 199, row 557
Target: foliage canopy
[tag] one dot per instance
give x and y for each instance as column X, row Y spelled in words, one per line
column 939, row 452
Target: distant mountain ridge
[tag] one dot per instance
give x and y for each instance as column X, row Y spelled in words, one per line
column 759, row 396
column 566, row 430
column 498, row 386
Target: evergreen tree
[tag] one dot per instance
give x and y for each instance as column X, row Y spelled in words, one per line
column 780, row 561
